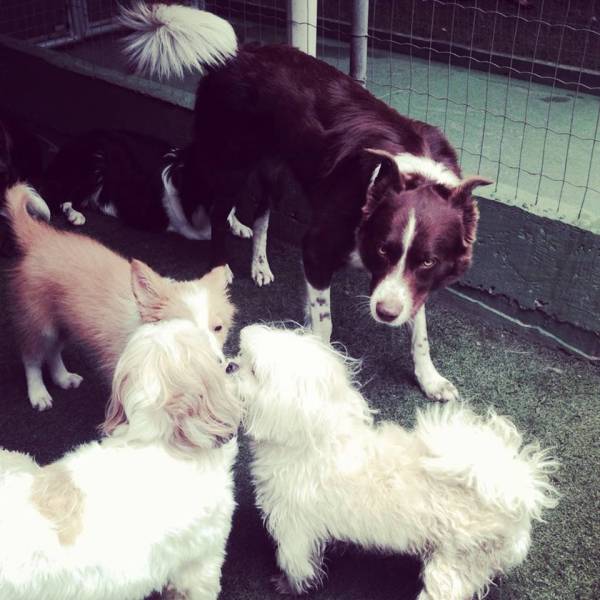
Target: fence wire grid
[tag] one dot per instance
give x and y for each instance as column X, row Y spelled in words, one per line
column 515, row 88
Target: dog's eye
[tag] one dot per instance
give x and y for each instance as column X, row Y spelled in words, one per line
column 428, row 263
column 218, row 328
column 382, row 250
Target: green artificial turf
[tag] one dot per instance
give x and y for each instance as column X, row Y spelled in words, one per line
column 551, row 396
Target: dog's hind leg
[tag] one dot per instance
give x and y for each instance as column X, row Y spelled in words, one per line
column 59, row 373
column 299, row 557
column 458, row 579
column 432, row 383
column 34, row 356
column 261, row 271
column 199, row 580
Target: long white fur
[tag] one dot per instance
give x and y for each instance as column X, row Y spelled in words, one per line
column 152, row 513
column 168, row 40
column 460, row 490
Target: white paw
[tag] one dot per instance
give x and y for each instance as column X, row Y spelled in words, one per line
column 237, row 227
column 68, row 380
column 228, row 274
column 73, row 216
column 436, row 387
column 40, row 399
column 261, row 272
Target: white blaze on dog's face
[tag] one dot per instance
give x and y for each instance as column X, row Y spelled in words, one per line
column 203, row 301
column 417, row 233
column 168, row 385
column 290, row 383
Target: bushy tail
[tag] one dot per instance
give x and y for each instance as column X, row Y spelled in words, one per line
column 21, row 202
column 168, row 40
column 487, row 454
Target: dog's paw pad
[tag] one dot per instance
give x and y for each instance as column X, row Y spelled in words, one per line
column 41, row 400
column 440, row 389
column 262, row 274
column 69, row 380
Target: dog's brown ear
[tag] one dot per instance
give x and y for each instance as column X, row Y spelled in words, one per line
column 149, row 291
column 461, row 197
column 462, row 193
column 203, row 412
column 387, row 178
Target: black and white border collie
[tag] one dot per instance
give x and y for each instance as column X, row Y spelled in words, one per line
column 386, row 192
column 139, row 180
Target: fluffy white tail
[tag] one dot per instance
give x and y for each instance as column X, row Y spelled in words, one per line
column 168, row 40
column 21, row 202
column 488, row 455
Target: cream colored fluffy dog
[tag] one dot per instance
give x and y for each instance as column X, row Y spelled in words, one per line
column 148, row 506
column 68, row 285
column 459, row 491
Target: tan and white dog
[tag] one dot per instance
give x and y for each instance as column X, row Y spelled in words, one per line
column 67, row 285
column 459, row 491
column 148, row 506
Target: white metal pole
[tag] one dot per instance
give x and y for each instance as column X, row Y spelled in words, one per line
column 302, row 25
column 359, row 40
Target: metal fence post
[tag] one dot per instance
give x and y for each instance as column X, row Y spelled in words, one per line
column 302, row 25
column 78, row 19
column 358, row 44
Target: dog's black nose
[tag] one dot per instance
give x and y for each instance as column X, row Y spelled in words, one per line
column 232, row 367
column 387, row 313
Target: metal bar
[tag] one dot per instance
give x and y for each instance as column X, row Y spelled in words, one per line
column 92, row 32
column 359, row 41
column 302, row 25
column 78, row 18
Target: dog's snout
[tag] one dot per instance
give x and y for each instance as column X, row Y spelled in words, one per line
column 388, row 311
column 231, row 367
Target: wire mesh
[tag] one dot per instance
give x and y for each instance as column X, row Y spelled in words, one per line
column 516, row 89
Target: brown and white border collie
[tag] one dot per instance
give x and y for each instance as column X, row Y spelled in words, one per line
column 67, row 285
column 386, row 192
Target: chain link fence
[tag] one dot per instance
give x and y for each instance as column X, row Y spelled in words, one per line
column 514, row 84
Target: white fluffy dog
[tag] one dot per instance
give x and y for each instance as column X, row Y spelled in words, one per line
column 459, row 491
column 148, row 506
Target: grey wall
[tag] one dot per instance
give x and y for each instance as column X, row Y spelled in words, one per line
column 531, row 272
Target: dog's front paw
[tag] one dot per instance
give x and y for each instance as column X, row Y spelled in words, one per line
column 238, row 228
column 68, row 380
column 73, row 216
column 282, row 585
column 436, row 387
column 261, row 272
column 40, row 399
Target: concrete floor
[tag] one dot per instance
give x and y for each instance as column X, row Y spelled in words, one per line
column 551, row 396
column 527, row 137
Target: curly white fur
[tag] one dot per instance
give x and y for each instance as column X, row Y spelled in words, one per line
column 168, row 40
column 148, row 506
column 460, row 491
